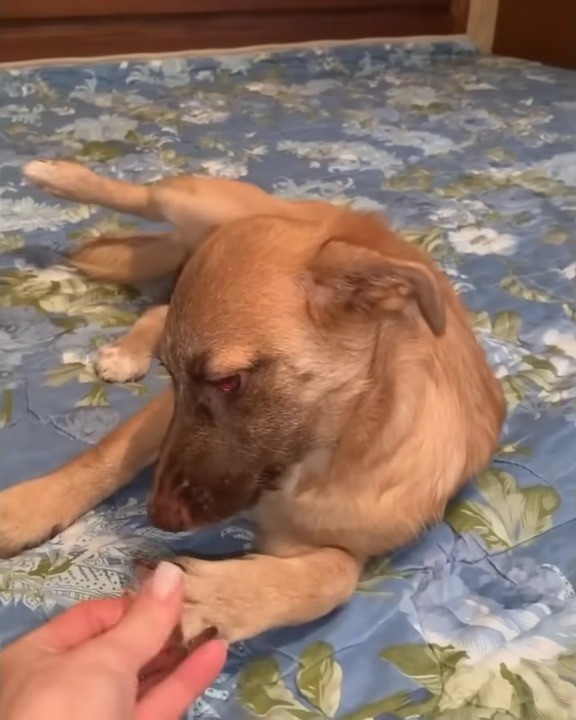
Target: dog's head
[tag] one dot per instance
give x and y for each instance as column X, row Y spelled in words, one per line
column 269, row 341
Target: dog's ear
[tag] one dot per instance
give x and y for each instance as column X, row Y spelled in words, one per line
column 367, row 275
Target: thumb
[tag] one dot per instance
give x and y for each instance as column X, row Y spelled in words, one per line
column 149, row 622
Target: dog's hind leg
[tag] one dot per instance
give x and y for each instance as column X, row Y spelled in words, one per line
column 193, row 203
column 35, row 510
column 130, row 258
column 129, row 357
column 72, row 181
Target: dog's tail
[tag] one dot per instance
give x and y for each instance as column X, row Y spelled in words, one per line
column 130, row 259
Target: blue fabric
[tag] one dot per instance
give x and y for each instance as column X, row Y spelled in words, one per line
column 474, row 158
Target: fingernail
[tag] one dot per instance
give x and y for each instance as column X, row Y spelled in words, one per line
column 165, row 580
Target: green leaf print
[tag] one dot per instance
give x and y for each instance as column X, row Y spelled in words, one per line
column 135, row 388
column 570, row 311
column 516, row 287
column 428, row 665
column 511, row 515
column 109, row 225
column 555, row 237
column 542, row 372
column 523, row 704
column 515, row 449
column 68, row 372
column 48, row 566
column 499, row 154
column 429, row 240
column 506, row 326
column 6, row 407
column 375, row 572
column 319, row 678
column 263, row 693
column 96, row 397
column 481, row 321
column 516, row 389
column 10, row 242
column 110, row 317
column 398, row 705
column 413, row 178
column 97, row 151
column 566, row 666
column 471, row 517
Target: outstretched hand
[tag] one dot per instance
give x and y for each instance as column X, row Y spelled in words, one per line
column 109, row 660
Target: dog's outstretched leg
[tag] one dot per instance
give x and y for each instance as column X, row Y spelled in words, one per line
column 38, row 509
column 129, row 357
column 247, row 596
column 193, row 203
column 73, row 181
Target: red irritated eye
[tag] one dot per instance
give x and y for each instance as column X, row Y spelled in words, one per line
column 228, row 384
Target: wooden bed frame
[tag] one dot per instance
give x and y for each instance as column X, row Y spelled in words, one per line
column 82, row 28
column 39, row 29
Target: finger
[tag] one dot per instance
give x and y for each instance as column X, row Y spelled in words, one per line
column 159, row 668
column 78, row 624
column 173, row 653
column 149, row 622
column 170, row 699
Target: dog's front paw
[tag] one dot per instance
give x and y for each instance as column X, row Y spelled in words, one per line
column 116, row 363
column 222, row 597
column 26, row 520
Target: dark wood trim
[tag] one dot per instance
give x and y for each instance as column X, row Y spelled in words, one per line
column 541, row 30
column 71, row 37
column 460, row 10
column 35, row 9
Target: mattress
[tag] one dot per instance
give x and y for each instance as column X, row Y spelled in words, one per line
column 474, row 159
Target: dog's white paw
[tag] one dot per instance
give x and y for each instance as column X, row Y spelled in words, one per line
column 116, row 363
column 58, row 177
column 227, row 595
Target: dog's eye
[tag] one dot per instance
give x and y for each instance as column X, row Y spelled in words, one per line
column 229, row 384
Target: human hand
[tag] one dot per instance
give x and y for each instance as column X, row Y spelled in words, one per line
column 108, row 660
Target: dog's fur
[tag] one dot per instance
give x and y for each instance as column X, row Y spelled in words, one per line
column 324, row 372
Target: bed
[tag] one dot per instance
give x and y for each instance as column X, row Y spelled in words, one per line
column 474, row 158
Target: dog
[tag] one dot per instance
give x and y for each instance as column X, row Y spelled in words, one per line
column 324, row 375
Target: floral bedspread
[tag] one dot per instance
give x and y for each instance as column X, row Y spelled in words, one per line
column 474, row 158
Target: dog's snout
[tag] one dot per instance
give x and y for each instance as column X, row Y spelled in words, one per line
column 169, row 514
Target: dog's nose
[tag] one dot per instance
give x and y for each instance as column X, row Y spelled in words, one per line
column 169, row 515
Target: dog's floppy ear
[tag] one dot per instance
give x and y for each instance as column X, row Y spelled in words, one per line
column 370, row 274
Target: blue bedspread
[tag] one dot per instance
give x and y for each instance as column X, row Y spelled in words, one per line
column 474, row 159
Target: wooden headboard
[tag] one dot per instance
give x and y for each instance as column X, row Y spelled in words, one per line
column 80, row 28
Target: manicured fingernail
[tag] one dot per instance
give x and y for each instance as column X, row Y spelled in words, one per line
column 165, row 580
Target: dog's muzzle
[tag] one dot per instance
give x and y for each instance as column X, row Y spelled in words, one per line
column 169, row 514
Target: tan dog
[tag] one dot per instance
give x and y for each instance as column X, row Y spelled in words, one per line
column 324, row 373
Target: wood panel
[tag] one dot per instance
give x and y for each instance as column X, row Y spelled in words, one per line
column 25, row 40
column 482, row 16
column 541, row 30
column 26, row 9
column 460, row 10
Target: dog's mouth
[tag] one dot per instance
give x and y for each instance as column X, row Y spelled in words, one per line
column 195, row 503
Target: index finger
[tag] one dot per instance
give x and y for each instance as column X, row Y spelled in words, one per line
column 171, row 697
